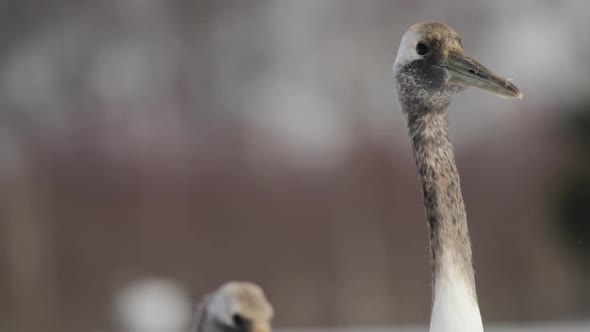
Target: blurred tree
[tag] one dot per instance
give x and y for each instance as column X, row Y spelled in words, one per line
column 573, row 201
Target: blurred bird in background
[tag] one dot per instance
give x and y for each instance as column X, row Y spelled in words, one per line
column 237, row 306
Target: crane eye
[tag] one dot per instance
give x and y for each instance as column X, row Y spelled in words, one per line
column 239, row 321
column 422, row 49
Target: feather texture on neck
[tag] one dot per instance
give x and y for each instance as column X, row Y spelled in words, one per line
column 455, row 305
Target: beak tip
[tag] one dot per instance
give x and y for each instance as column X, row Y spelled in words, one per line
column 518, row 95
column 514, row 91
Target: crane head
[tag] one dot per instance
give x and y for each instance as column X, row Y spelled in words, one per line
column 430, row 61
column 240, row 306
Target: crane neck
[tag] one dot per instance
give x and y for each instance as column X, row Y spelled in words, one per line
column 455, row 305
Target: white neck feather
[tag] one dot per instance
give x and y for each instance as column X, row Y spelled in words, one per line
column 455, row 307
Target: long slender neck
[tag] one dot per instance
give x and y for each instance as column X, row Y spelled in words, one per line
column 455, row 305
column 445, row 210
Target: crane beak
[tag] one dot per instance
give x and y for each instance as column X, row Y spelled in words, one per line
column 465, row 71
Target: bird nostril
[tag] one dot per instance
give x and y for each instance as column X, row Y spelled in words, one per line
column 472, row 71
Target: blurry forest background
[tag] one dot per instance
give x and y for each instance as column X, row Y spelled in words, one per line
column 201, row 141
